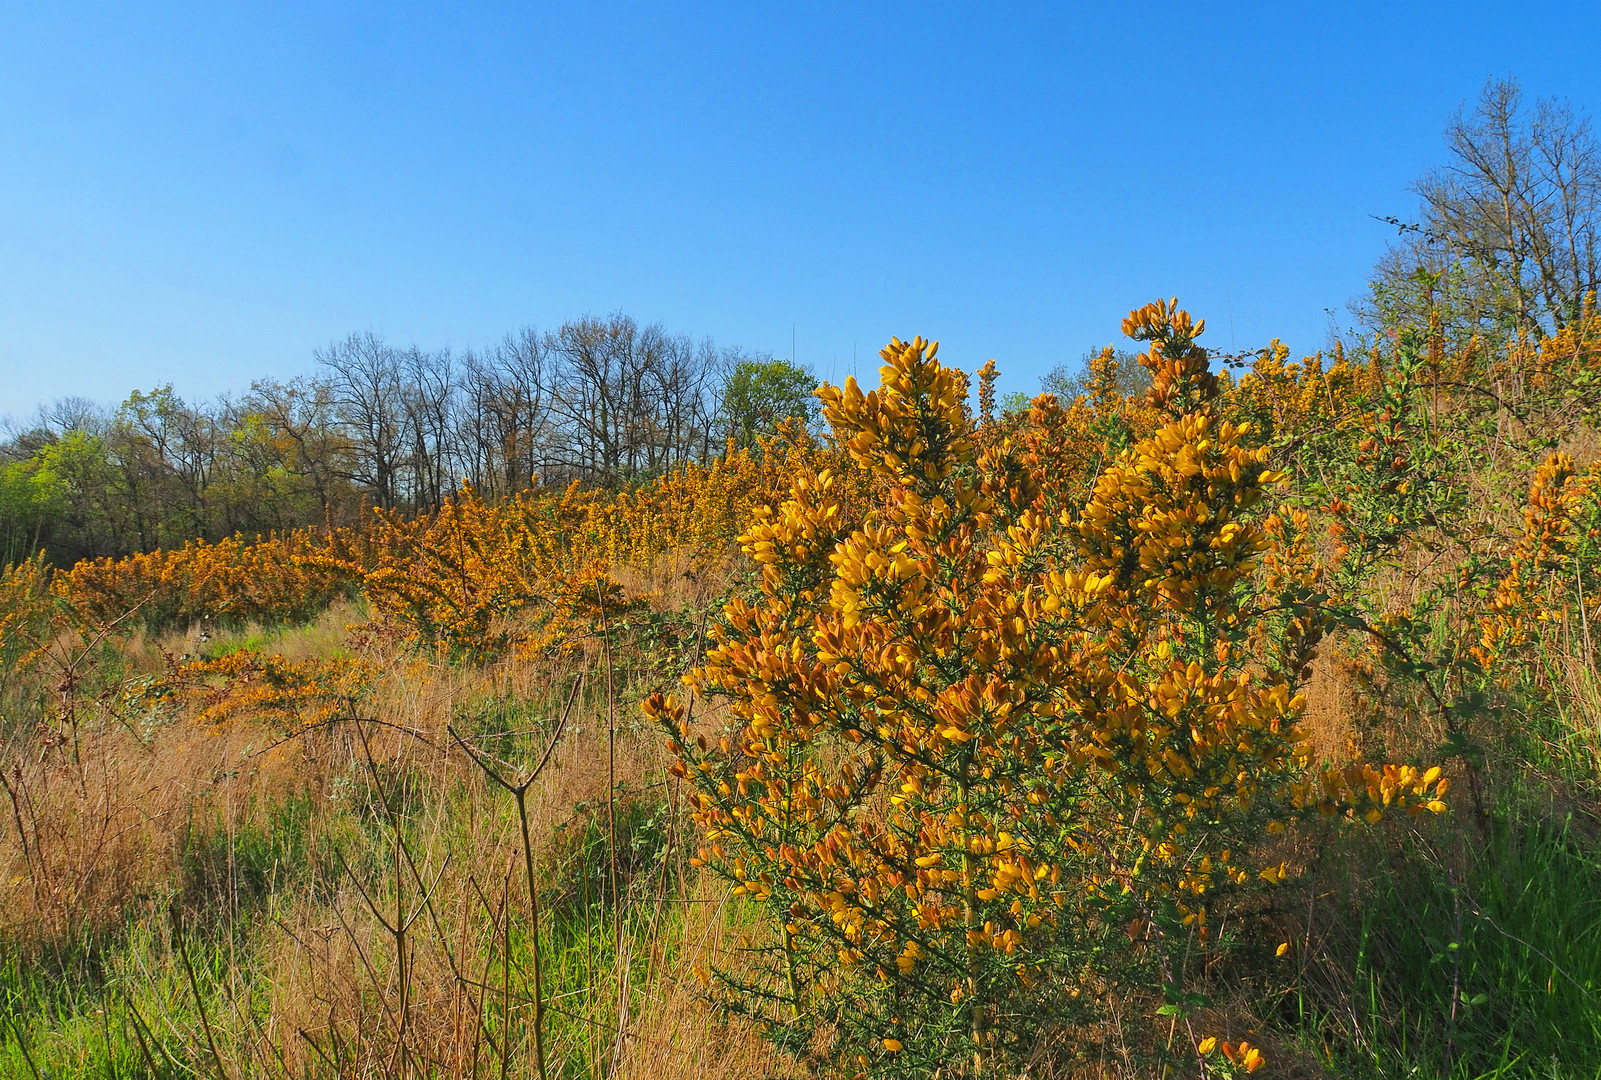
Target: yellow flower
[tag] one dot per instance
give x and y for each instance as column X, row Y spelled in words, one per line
column 1251, row 1057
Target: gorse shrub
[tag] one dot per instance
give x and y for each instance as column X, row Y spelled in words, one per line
column 277, row 578
column 999, row 750
column 474, row 580
column 1545, row 575
column 293, row 696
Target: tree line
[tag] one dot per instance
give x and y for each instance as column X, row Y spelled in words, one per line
column 1504, row 247
column 605, row 402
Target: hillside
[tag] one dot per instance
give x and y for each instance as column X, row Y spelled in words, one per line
column 1250, row 723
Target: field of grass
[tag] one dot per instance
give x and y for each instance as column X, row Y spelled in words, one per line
column 398, row 854
column 230, row 903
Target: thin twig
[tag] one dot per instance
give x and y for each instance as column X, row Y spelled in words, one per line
column 519, row 792
column 194, row 987
column 22, row 1043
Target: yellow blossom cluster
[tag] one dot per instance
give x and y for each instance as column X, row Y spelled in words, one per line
column 272, row 579
column 1295, row 397
column 294, row 695
column 1541, row 584
column 985, row 718
column 1242, row 1053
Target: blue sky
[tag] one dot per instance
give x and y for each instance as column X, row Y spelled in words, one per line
column 203, row 195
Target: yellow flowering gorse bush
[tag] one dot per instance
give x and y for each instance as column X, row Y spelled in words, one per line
column 996, row 753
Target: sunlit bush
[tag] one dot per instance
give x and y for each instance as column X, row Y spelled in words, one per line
column 997, row 757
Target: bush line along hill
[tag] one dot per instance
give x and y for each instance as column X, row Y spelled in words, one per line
column 1247, row 724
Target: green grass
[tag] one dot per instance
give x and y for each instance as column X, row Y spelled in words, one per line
column 122, row 1005
column 1470, row 965
column 129, row 1013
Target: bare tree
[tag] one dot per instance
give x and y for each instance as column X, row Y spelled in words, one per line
column 597, row 365
column 429, row 399
column 1507, row 240
column 691, row 388
column 629, row 402
column 504, row 417
column 366, row 380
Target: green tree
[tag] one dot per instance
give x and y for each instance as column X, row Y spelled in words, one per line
column 1127, row 376
column 33, row 499
column 761, row 394
column 93, row 518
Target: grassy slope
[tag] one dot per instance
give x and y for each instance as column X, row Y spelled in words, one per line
column 277, row 862
column 1455, row 948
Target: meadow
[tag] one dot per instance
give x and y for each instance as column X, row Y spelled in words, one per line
column 1238, row 714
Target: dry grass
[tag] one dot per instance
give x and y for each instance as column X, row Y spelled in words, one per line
column 387, row 823
column 281, row 858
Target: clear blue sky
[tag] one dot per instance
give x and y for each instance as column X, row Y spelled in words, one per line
column 204, row 194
